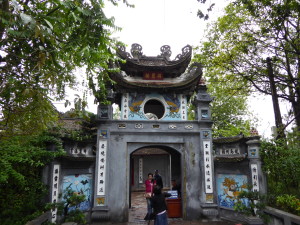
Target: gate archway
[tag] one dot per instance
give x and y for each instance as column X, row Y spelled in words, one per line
column 147, row 159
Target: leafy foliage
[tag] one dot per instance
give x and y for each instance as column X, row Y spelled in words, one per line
column 239, row 42
column 252, row 204
column 42, row 43
column 229, row 107
column 22, row 160
column 70, row 198
column 280, row 162
column 255, row 203
column 289, row 203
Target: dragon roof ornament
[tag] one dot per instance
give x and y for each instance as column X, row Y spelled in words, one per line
column 136, row 61
column 137, row 53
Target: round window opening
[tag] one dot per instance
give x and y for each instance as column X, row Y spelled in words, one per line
column 154, row 109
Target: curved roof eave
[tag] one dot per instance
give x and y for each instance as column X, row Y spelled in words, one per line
column 188, row 80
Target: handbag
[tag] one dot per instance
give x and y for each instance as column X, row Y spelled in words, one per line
column 147, row 195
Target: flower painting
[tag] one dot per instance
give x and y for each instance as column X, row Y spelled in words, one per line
column 229, row 186
column 81, row 184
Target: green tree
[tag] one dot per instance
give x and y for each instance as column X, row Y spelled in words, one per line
column 250, row 203
column 280, row 158
column 41, row 45
column 280, row 163
column 229, row 106
column 22, row 160
column 239, row 42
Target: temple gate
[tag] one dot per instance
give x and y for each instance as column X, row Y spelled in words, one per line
column 154, row 133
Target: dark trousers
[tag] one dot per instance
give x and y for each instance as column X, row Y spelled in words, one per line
column 161, row 219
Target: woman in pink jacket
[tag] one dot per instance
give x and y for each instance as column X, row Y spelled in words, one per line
column 149, row 185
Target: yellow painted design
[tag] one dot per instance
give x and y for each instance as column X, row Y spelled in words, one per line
column 135, row 106
column 173, row 107
column 231, row 190
column 100, row 200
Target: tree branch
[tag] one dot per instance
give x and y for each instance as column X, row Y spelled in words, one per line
column 4, row 6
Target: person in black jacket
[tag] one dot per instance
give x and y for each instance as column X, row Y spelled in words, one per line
column 159, row 206
column 158, row 179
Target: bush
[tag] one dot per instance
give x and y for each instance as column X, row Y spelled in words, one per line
column 250, row 203
column 289, row 203
column 22, row 191
column 280, row 162
column 68, row 206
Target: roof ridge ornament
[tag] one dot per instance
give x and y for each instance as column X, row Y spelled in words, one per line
column 122, row 48
column 136, row 51
column 166, row 51
column 185, row 51
column 136, row 63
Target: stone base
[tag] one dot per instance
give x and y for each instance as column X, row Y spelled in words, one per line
column 253, row 220
column 210, row 211
column 100, row 214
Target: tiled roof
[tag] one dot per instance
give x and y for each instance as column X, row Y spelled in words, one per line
column 229, row 139
column 230, row 158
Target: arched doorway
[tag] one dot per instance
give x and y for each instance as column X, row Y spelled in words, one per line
column 147, row 159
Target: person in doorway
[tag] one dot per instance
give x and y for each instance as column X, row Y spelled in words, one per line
column 149, row 186
column 176, row 187
column 159, row 206
column 158, row 179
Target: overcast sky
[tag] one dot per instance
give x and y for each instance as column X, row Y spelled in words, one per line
column 154, row 23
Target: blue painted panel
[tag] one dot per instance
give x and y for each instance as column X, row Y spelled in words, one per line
column 81, row 184
column 172, row 106
column 228, row 188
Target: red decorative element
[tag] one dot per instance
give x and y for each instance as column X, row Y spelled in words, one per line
column 202, row 81
column 153, row 76
column 76, row 175
column 253, row 132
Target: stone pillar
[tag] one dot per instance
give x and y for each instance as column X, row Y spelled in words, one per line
column 258, row 179
column 100, row 210
column 105, row 112
column 208, row 201
column 201, row 102
column 203, row 116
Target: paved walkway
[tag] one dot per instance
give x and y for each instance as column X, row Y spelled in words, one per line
column 139, row 208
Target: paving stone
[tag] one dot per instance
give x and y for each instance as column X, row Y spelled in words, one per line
column 138, row 211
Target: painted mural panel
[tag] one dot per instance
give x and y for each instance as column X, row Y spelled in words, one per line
column 133, row 106
column 136, row 106
column 173, row 106
column 229, row 186
column 81, row 184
